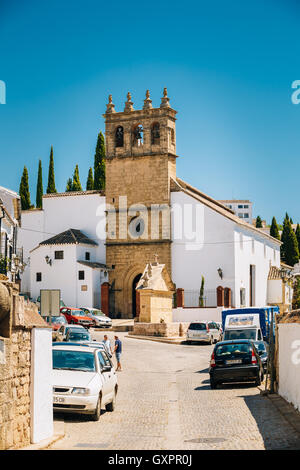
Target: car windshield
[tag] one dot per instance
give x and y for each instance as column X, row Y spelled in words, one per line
column 60, row 319
column 78, row 313
column 97, row 313
column 197, row 326
column 239, row 334
column 233, row 350
column 73, row 360
column 71, row 328
column 78, row 336
column 260, row 346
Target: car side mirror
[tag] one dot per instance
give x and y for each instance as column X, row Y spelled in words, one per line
column 106, row 369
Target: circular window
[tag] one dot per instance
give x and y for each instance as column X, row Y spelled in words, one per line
column 137, row 227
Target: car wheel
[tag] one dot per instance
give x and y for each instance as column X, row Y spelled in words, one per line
column 112, row 405
column 213, row 384
column 97, row 413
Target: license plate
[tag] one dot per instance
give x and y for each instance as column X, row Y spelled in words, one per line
column 234, row 361
column 58, row 400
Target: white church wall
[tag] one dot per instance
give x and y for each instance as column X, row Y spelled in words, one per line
column 195, row 314
column 78, row 212
column 253, row 249
column 191, row 260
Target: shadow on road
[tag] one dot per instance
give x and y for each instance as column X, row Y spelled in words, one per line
column 277, row 434
column 76, row 418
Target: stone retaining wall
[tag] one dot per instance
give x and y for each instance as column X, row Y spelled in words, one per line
column 160, row 329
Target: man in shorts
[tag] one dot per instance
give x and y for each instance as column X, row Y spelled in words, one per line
column 118, row 351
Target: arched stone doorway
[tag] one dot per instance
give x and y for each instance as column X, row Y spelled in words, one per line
column 134, row 284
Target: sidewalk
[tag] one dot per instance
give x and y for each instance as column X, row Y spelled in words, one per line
column 161, row 339
column 59, row 433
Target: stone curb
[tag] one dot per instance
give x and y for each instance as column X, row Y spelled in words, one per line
column 45, row 444
column 285, row 408
column 59, row 433
column 160, row 339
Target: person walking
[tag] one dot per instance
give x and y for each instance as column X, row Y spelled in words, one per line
column 107, row 345
column 118, row 351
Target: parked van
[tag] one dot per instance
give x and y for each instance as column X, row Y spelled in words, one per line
column 242, row 327
column 203, row 331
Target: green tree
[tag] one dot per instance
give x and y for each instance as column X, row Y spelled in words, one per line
column 201, row 299
column 296, row 294
column 69, row 185
column 289, row 250
column 297, row 233
column 99, row 163
column 90, row 180
column 274, row 230
column 76, row 185
column 258, row 222
column 51, row 178
column 39, row 187
column 24, row 191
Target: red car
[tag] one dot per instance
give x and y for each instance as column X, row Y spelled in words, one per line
column 77, row 316
column 56, row 322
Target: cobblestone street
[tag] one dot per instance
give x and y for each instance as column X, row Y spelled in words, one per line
column 165, row 403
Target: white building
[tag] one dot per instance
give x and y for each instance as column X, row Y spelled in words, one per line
column 232, row 253
column 197, row 236
column 75, row 260
column 10, row 215
column 241, row 207
column 227, row 251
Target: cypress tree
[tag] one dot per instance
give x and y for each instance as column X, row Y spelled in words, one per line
column 24, row 191
column 258, row 222
column 289, row 248
column 99, row 163
column 76, row 185
column 51, row 178
column 297, row 233
column 274, row 231
column 69, row 185
column 90, row 180
column 39, row 187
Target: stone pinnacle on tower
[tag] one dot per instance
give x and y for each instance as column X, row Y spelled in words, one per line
column 110, row 107
column 165, row 100
column 128, row 103
column 147, row 101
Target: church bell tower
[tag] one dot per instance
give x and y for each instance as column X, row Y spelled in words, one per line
column 140, row 161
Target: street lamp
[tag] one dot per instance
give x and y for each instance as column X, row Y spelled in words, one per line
column 48, row 260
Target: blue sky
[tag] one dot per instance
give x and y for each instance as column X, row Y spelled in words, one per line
column 228, row 66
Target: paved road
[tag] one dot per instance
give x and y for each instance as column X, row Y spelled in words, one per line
column 165, row 403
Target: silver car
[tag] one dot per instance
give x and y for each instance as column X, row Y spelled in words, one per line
column 207, row 331
column 100, row 319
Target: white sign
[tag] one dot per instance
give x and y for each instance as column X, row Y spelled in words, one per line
column 50, row 302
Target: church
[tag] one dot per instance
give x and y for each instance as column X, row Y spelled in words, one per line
column 80, row 240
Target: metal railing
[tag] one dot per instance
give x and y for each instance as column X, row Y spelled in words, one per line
column 193, row 299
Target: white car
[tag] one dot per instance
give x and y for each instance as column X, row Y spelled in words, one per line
column 61, row 333
column 203, row 331
column 84, row 380
column 101, row 320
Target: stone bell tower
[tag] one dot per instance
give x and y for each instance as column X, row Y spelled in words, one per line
column 140, row 160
